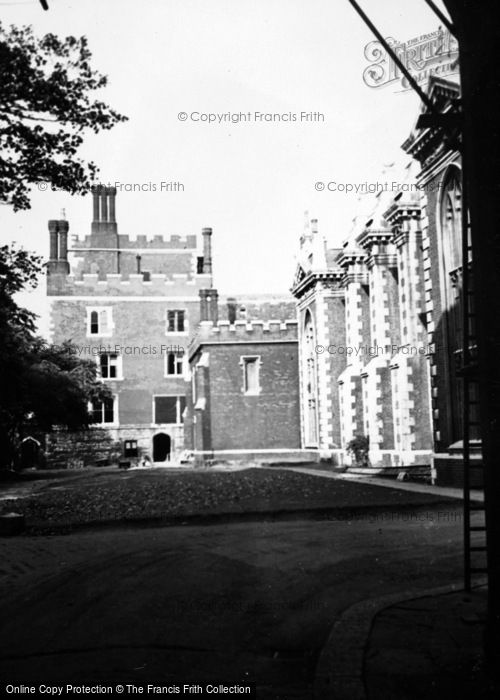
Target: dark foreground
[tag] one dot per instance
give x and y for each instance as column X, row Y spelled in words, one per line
column 240, row 601
column 430, row 647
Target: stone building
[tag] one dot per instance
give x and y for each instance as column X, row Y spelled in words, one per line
column 440, row 180
column 134, row 306
column 363, row 351
column 131, row 304
column 380, row 319
column 321, row 323
column 373, row 353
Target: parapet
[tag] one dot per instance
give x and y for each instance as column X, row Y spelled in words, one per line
column 141, row 242
column 115, row 285
column 223, row 332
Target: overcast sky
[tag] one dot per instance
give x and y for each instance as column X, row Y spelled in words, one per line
column 250, row 181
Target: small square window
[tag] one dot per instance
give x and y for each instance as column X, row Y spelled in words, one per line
column 176, row 322
column 103, row 411
column 99, row 322
column 109, row 365
column 169, row 409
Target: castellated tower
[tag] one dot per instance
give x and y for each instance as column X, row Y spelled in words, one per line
column 130, row 305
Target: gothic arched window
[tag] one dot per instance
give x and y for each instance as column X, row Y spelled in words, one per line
column 309, row 382
column 450, row 230
column 451, row 220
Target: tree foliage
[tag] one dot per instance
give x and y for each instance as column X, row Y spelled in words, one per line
column 46, row 103
column 41, row 385
column 359, row 449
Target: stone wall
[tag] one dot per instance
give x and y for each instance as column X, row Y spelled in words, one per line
column 75, row 450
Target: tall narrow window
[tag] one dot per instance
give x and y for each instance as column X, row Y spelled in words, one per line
column 181, row 406
column 309, row 379
column 174, row 363
column 104, row 322
column 94, row 323
column 251, row 372
column 451, row 246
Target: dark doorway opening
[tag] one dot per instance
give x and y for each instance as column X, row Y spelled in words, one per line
column 31, row 454
column 161, row 447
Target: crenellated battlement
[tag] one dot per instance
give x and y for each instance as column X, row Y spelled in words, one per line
column 115, row 285
column 241, row 331
column 141, row 242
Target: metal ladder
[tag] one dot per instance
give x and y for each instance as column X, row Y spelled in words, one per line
column 474, row 526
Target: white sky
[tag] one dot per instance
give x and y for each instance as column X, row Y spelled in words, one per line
column 250, row 182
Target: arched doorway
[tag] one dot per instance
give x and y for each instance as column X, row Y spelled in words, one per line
column 30, row 453
column 161, row 447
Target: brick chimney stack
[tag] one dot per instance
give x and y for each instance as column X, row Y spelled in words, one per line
column 231, row 310
column 54, row 244
column 63, row 240
column 207, row 250
column 112, row 201
column 95, row 204
column 58, row 255
column 103, row 210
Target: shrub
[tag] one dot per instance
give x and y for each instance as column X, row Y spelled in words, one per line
column 359, row 448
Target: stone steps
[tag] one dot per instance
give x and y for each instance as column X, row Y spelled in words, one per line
column 413, row 472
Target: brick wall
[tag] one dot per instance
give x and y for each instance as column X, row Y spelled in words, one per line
column 138, row 331
column 235, row 421
column 139, row 334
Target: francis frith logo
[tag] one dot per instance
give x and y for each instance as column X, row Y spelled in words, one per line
column 429, row 54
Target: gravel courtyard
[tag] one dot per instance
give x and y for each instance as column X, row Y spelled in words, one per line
column 61, row 503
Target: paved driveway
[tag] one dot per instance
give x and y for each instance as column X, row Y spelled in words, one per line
column 226, row 602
